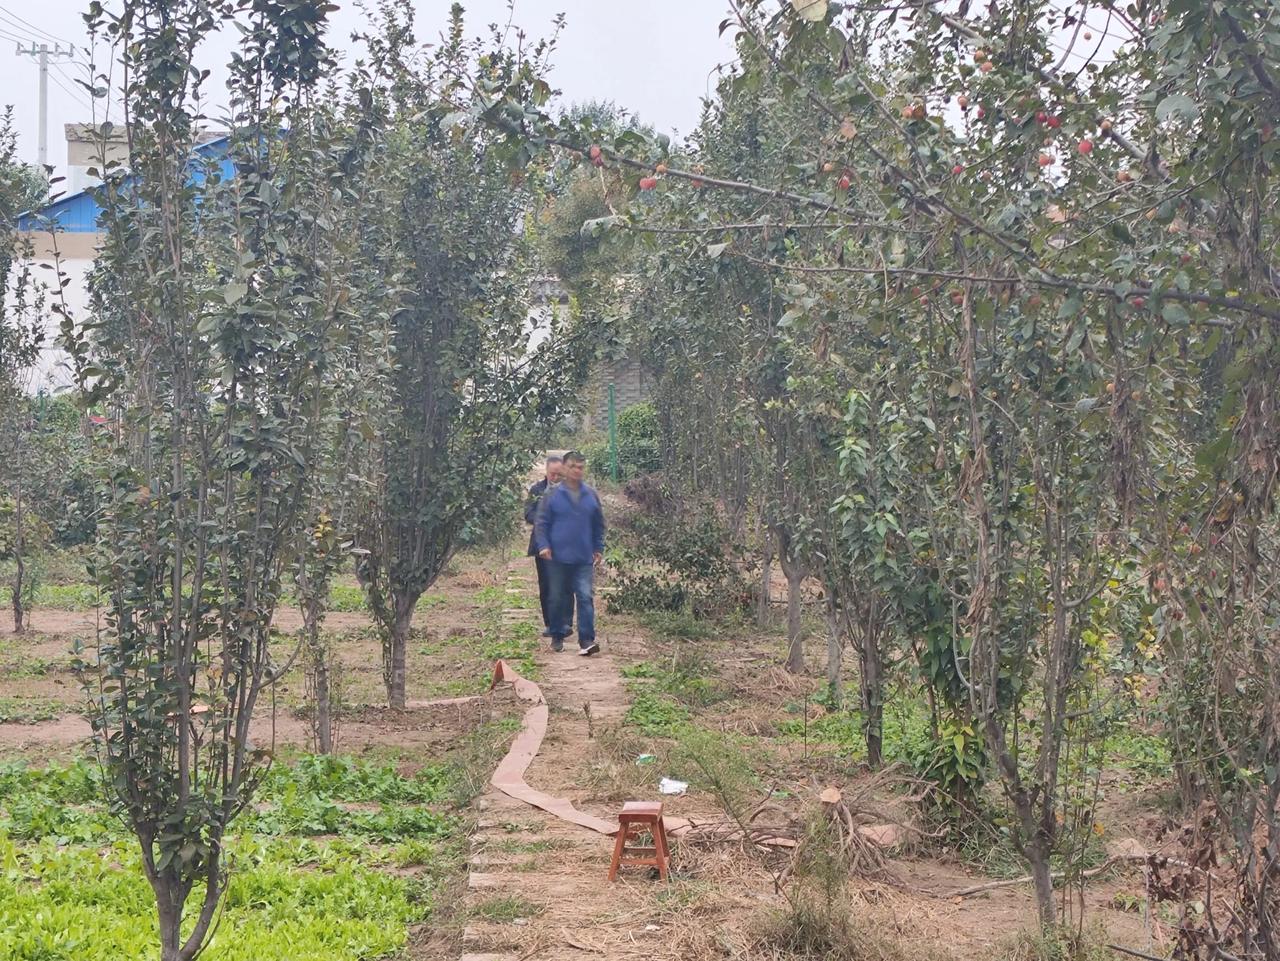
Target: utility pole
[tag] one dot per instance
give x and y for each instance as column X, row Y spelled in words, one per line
column 41, row 54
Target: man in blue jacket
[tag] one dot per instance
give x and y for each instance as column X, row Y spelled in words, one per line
column 569, row 532
column 543, row 567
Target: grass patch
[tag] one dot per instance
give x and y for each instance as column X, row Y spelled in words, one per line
column 815, row 929
column 906, row 727
column 657, row 715
column 1061, row 944
column 15, row 663
column 685, row 680
column 30, row 710
column 476, row 759
column 1144, row 754
column 679, row 625
column 58, row 597
column 505, row 909
column 537, row 846
column 517, row 644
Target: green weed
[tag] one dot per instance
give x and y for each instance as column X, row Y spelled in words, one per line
column 684, row 680
column 680, row 625
column 59, row 597
column 30, row 710
column 506, row 908
column 71, row 884
column 657, row 715
column 1146, row 755
column 84, row 904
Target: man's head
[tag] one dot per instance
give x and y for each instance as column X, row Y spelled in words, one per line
column 575, row 466
column 555, row 465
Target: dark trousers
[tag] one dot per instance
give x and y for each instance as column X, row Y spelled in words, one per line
column 570, row 583
column 544, row 592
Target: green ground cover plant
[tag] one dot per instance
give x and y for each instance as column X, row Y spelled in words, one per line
column 307, row 863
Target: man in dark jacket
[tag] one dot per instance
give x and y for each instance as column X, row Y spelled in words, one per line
column 569, row 532
column 543, row 567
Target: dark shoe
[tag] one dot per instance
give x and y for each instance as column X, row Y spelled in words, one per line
column 547, row 632
column 557, row 644
column 591, row 648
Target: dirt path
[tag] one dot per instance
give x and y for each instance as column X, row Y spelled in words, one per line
column 537, row 890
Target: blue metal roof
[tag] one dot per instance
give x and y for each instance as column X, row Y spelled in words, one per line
column 78, row 213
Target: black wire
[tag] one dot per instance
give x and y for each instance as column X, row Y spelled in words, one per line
column 26, row 26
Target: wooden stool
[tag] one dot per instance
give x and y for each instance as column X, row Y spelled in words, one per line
column 637, row 818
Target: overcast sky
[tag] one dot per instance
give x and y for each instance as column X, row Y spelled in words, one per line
column 657, row 58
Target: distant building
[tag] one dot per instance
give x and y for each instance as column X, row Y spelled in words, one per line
column 632, row 384
column 66, row 231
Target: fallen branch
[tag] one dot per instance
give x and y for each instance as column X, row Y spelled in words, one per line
column 1157, row 860
column 1056, row 876
column 1136, row 954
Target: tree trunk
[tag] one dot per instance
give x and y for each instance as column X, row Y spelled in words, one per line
column 169, row 910
column 19, row 614
column 1042, row 879
column 19, row 567
column 321, row 702
column 794, row 572
column 766, row 574
column 324, row 715
column 871, row 688
column 834, row 651
column 399, row 641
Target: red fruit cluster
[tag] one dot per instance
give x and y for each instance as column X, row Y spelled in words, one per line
column 596, row 155
column 648, row 183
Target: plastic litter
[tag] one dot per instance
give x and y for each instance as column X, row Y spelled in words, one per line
column 646, row 759
column 671, row 786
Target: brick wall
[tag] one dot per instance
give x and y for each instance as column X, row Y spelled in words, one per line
column 632, row 384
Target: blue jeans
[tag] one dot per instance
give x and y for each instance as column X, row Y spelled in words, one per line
column 570, row 582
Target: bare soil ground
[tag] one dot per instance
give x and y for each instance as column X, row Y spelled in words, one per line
column 538, row 886
column 539, row 889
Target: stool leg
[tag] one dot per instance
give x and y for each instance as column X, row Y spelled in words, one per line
column 660, row 846
column 617, row 851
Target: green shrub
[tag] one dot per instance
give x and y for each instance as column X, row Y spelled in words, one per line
column 678, row 555
column 639, row 445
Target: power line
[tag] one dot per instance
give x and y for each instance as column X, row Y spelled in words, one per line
column 79, row 92
column 5, row 35
column 16, row 20
column 99, row 97
column 15, row 32
column 78, row 98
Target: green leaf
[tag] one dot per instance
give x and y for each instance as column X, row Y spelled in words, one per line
column 234, row 292
column 1175, row 315
column 715, row 250
column 1177, row 105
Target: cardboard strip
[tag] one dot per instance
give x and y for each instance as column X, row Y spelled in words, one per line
column 509, row 776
